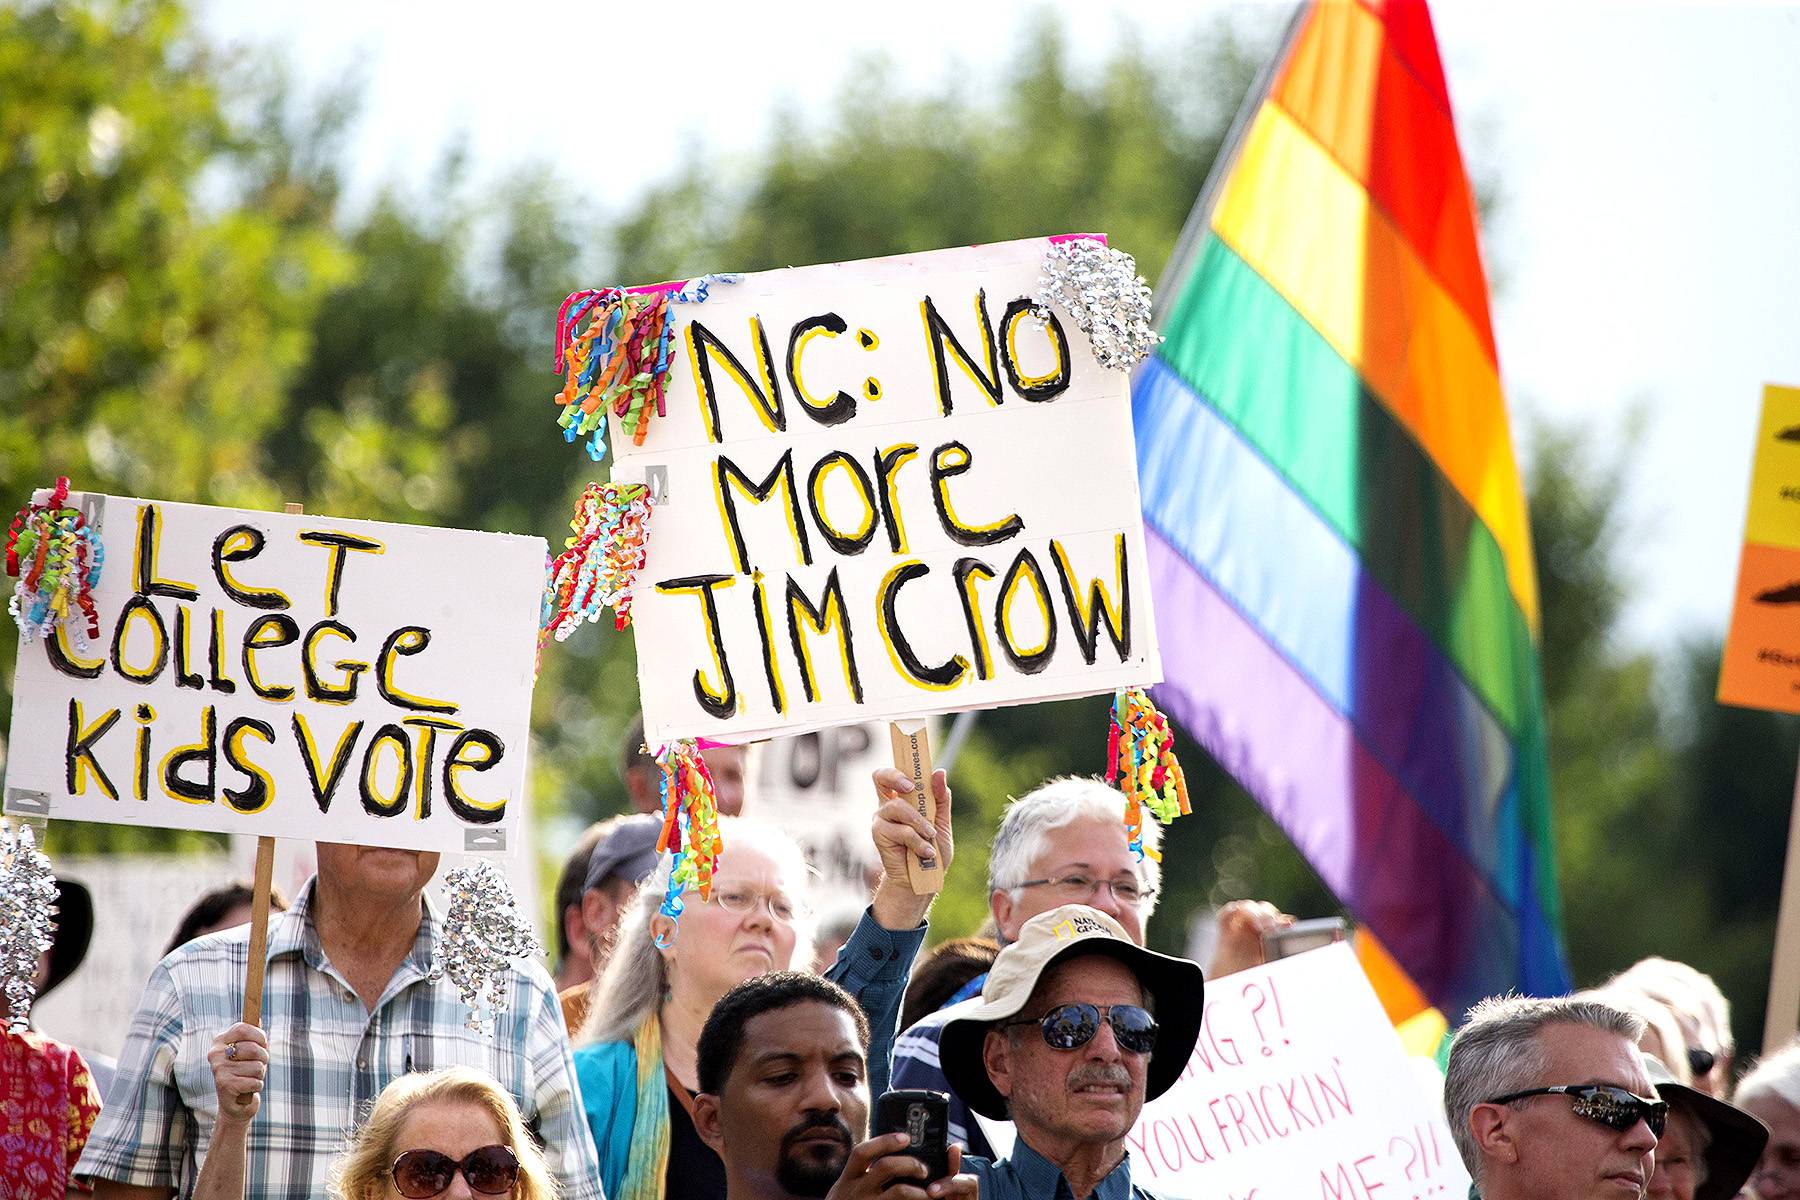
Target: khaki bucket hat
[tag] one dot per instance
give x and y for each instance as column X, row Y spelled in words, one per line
column 1173, row 988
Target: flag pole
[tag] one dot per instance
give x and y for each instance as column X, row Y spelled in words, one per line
column 1784, row 971
column 1193, row 230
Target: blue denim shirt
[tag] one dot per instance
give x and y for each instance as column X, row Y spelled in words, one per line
column 1028, row 1175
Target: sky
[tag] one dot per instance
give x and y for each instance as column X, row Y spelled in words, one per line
column 1646, row 160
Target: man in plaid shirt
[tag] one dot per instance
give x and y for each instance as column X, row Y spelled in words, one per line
column 348, row 1009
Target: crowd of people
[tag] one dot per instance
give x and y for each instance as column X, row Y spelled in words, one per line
column 718, row 1056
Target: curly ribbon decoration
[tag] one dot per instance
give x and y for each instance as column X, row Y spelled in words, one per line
column 690, row 831
column 619, row 362
column 599, row 565
column 1140, row 758
column 56, row 557
column 1099, row 286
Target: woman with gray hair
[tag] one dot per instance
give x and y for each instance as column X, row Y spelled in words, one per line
column 636, row 1061
column 1771, row 1093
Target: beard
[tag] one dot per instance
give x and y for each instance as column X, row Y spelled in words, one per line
column 814, row 1170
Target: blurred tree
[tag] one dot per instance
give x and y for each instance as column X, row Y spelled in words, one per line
column 146, row 339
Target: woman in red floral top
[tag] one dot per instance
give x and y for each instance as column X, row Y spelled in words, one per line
column 48, row 1103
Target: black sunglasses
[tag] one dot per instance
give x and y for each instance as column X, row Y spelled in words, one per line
column 421, row 1174
column 1070, row 1025
column 1613, row 1107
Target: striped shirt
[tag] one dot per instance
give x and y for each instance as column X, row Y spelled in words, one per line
column 331, row 1056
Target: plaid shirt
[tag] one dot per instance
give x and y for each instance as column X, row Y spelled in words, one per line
column 331, row 1058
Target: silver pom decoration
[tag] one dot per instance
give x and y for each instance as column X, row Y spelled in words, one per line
column 27, row 918
column 1100, row 287
column 484, row 935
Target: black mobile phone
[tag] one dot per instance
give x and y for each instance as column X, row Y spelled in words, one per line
column 925, row 1118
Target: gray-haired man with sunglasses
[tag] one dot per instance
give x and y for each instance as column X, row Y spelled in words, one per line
column 1077, row 1026
column 1550, row 1100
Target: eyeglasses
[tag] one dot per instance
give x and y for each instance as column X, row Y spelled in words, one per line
column 421, row 1174
column 740, row 900
column 1079, row 888
column 1068, row 1026
column 1613, row 1107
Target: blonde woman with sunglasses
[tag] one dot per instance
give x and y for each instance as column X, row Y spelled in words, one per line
column 453, row 1133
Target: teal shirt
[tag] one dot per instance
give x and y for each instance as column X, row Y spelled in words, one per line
column 873, row 967
column 1028, row 1175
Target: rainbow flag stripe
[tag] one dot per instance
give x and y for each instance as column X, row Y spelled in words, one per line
column 1337, row 533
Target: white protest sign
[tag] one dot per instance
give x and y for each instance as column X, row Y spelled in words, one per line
column 817, row 787
column 1298, row 1089
column 884, row 491
column 289, row 676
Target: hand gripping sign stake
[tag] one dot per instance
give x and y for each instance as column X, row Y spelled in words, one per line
column 912, row 756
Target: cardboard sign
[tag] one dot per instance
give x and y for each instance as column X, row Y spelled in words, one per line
column 885, row 491
column 288, row 676
column 1761, row 666
column 1297, row 1087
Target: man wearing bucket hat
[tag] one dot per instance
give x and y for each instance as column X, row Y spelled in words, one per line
column 1077, row 1026
column 1708, row 1149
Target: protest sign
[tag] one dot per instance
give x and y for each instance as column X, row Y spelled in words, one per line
column 1298, row 1088
column 1761, row 665
column 884, row 490
column 287, row 676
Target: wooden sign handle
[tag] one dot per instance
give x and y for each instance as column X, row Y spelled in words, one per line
column 256, row 968
column 912, row 757
column 1783, row 1012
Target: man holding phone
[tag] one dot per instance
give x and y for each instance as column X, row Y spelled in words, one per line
column 1076, row 1027
column 784, row 1100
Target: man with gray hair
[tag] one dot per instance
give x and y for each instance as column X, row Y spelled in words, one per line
column 1061, row 843
column 1548, row 1100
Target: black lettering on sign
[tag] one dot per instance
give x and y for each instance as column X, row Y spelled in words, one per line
column 771, row 668
column 144, row 559
column 324, row 777
column 729, row 479
column 1086, row 620
column 942, row 338
column 215, row 666
column 704, row 348
column 473, row 750
column 828, row 612
column 78, row 754
column 239, row 544
column 1031, row 660
column 337, row 545
column 1035, row 388
column 184, row 677
column 64, row 660
column 205, row 752
column 268, row 632
column 344, row 691
column 722, row 701
column 842, row 406
column 404, row 641
column 140, row 611
column 855, row 542
column 373, row 802
column 428, row 728
column 944, row 675
column 967, row 572
column 140, row 766
column 259, row 786
column 947, row 462
column 887, row 465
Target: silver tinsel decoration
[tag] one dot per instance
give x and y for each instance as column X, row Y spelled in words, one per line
column 484, row 935
column 27, row 918
column 1100, row 287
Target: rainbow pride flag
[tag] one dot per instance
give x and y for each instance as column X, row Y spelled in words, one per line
column 1345, row 591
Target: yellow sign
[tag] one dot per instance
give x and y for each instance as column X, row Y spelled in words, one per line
column 1761, row 667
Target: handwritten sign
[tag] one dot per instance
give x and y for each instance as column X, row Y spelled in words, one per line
column 290, row 676
column 1297, row 1090
column 885, row 491
column 1761, row 665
